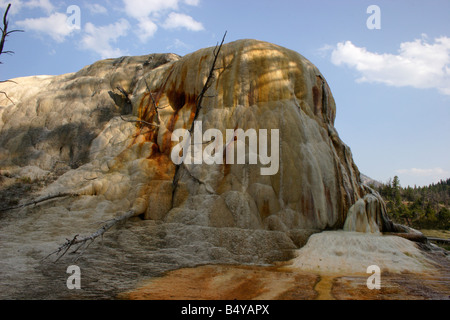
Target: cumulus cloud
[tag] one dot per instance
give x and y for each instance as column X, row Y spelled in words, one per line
column 15, row 8
column 417, row 64
column 55, row 26
column 45, row 5
column 96, row 8
column 147, row 28
column 192, row 2
column 179, row 20
column 150, row 13
column 18, row 5
column 145, row 15
column 144, row 8
column 100, row 39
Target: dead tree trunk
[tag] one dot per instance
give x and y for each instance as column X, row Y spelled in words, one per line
column 40, row 200
column 84, row 242
column 5, row 34
column 182, row 167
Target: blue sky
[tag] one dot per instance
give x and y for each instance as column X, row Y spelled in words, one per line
column 391, row 85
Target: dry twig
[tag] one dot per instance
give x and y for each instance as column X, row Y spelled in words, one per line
column 5, row 34
column 199, row 101
column 140, row 121
column 85, row 242
column 40, row 200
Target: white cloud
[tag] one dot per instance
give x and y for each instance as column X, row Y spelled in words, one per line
column 55, row 26
column 422, row 177
column 418, row 64
column 96, row 8
column 150, row 13
column 324, row 51
column 147, row 28
column 192, row 2
column 99, row 39
column 143, row 8
column 15, row 7
column 42, row 4
column 434, row 172
column 179, row 20
column 18, row 5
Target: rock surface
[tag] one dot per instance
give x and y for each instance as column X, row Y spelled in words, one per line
column 279, row 283
column 71, row 122
column 352, row 252
column 104, row 134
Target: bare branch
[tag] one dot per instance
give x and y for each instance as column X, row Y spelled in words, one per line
column 208, row 81
column 9, row 32
column 84, row 241
column 199, row 101
column 207, row 186
column 122, row 90
column 6, row 95
column 3, row 81
column 146, row 84
column 140, row 121
column 153, row 99
column 40, row 200
column 5, row 32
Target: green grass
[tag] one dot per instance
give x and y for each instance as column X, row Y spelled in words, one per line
column 444, row 234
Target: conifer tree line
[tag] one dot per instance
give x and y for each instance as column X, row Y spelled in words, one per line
column 425, row 207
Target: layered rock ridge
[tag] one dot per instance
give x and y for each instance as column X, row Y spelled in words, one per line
column 106, row 132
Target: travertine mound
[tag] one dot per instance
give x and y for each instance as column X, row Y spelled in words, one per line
column 353, row 252
column 72, row 123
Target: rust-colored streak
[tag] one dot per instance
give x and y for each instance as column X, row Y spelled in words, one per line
column 317, row 96
column 265, row 210
column 148, row 104
column 252, row 95
column 167, row 137
column 161, row 164
column 226, row 168
column 331, row 211
column 202, row 59
column 143, row 107
column 155, row 151
column 219, row 282
column 308, row 207
column 165, row 168
column 177, row 92
column 193, row 112
column 227, row 283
